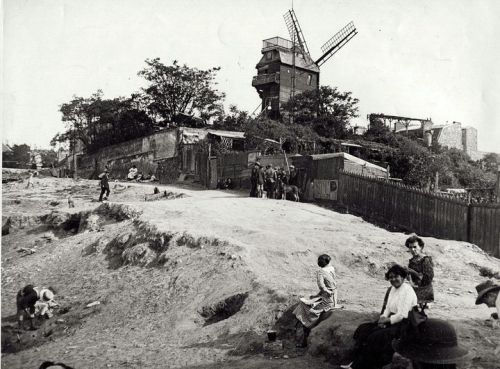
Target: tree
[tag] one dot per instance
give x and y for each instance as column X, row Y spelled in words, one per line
column 327, row 111
column 175, row 90
column 19, row 157
column 293, row 137
column 98, row 122
column 235, row 120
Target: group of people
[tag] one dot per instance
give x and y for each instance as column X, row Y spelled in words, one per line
column 135, row 175
column 33, row 302
column 272, row 181
column 403, row 325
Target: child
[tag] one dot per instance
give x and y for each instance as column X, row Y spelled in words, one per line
column 326, row 277
column 309, row 312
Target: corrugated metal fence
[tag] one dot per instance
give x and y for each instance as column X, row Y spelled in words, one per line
column 423, row 212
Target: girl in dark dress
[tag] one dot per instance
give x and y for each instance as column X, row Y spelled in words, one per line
column 421, row 271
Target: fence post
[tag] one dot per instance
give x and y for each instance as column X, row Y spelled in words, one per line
column 469, row 222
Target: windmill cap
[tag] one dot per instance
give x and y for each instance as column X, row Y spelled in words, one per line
column 483, row 288
column 435, row 342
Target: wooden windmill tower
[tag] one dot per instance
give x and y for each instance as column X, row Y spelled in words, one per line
column 287, row 68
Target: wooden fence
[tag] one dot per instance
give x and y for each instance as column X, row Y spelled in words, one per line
column 423, row 212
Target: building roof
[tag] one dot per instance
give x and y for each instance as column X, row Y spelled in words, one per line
column 348, row 157
column 230, row 134
column 193, row 135
column 6, row 148
column 286, row 57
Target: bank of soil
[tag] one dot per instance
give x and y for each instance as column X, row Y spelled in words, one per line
column 196, row 280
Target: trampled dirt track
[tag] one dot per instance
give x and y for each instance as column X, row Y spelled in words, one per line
column 196, row 281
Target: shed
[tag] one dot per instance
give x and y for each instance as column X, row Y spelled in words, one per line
column 322, row 171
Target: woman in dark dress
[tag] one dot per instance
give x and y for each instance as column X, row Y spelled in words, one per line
column 421, row 271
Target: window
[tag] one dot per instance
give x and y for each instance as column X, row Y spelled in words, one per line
column 309, row 79
column 269, row 55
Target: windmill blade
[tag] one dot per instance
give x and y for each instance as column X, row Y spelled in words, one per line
column 337, row 42
column 295, row 31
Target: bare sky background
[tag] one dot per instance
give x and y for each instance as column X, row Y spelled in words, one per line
column 437, row 59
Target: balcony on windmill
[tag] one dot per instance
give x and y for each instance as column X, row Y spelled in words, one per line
column 263, row 79
column 274, row 42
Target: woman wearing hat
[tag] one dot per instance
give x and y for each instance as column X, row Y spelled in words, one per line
column 489, row 293
column 433, row 345
column 421, row 271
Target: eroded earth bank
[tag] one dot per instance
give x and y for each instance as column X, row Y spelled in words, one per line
column 196, row 278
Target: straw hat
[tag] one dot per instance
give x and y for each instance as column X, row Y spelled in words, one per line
column 483, row 288
column 435, row 343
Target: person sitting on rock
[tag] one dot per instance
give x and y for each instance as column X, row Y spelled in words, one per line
column 132, row 173
column 309, row 312
column 31, row 301
column 373, row 340
column 434, row 345
column 489, row 294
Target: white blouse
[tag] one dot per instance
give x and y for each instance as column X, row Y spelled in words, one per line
column 401, row 300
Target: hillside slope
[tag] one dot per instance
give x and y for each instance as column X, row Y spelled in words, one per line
column 197, row 280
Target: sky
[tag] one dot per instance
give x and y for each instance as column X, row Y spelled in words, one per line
column 421, row 59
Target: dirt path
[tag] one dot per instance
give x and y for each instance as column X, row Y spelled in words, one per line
column 196, row 281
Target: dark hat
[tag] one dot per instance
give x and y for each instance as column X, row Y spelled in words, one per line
column 435, row 343
column 483, row 288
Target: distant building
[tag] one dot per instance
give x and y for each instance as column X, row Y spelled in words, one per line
column 456, row 136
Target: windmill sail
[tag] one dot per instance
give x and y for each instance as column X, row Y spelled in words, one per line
column 295, row 31
column 337, row 42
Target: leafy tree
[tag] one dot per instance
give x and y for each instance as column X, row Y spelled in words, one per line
column 98, row 122
column 174, row 90
column 293, row 138
column 327, row 111
column 19, row 157
column 235, row 120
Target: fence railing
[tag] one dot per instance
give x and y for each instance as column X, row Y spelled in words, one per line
column 423, row 212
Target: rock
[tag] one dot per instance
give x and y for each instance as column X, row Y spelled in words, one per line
column 285, row 357
column 233, row 257
column 333, row 337
column 90, row 224
column 140, row 254
column 93, row 304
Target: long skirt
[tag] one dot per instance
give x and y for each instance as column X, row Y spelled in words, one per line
column 374, row 345
column 309, row 313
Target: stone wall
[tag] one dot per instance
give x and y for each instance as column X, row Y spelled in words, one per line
column 451, row 136
column 469, row 139
column 144, row 152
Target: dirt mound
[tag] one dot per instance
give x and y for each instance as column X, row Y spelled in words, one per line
column 198, row 281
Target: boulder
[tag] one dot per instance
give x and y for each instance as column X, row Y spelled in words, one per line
column 332, row 338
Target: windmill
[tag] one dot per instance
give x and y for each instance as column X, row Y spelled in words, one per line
column 286, row 66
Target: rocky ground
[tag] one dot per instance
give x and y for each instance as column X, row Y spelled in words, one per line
column 195, row 278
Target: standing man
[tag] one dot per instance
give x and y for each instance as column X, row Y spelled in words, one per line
column 104, row 185
column 293, row 180
column 260, row 182
column 254, row 179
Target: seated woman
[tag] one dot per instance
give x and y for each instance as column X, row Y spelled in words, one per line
column 373, row 340
column 309, row 311
column 132, row 173
column 421, row 271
